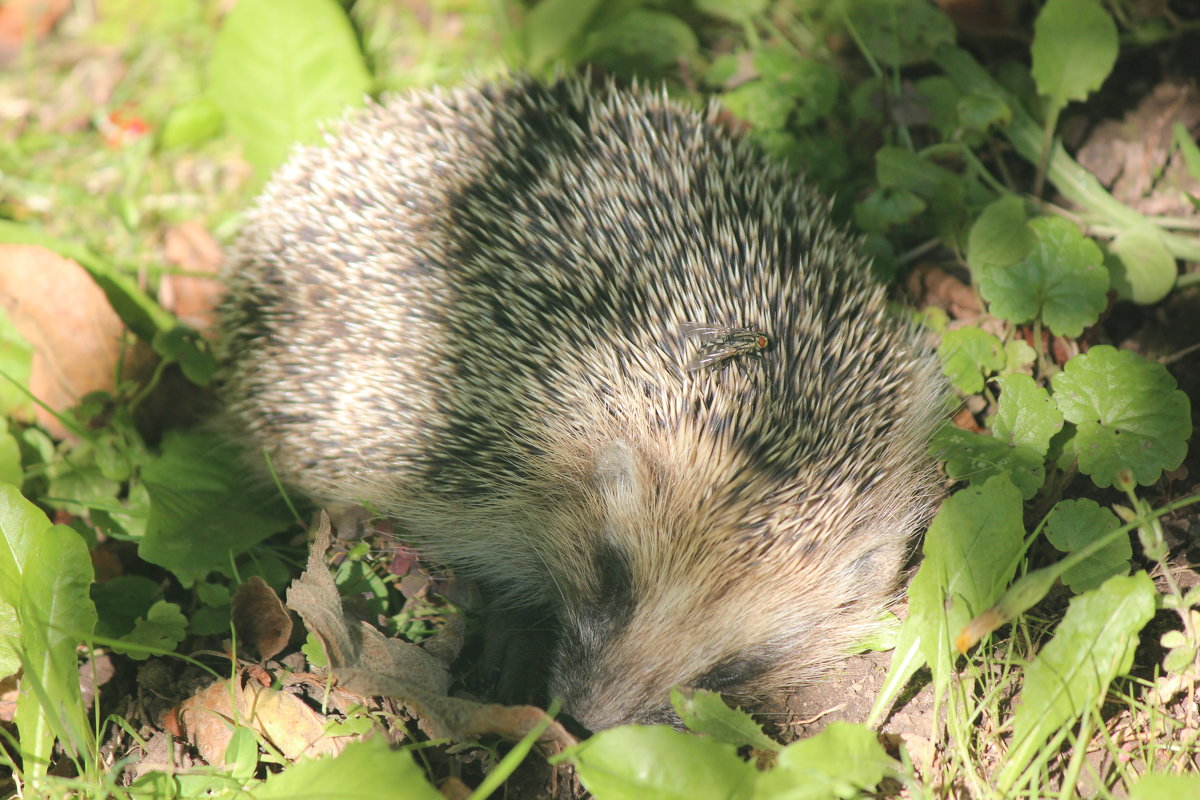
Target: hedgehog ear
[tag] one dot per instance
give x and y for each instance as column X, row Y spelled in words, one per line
column 619, row 475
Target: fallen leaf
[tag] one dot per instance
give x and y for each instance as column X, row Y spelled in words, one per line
column 365, row 661
column 193, row 297
column 75, row 335
column 23, row 20
column 260, row 618
column 207, row 720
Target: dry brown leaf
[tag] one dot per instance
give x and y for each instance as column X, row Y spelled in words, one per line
column 76, row 336
column 365, row 661
column 208, row 718
column 193, row 298
column 260, row 618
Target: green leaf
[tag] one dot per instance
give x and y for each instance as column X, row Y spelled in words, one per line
column 163, row 627
column 1144, row 270
column 841, row 761
column 202, row 513
column 368, row 770
column 897, row 168
column 16, row 362
column 883, row 209
column 900, row 32
column 121, row 601
column 1072, row 525
column 1074, row 49
column 810, row 87
column 10, row 459
column 552, row 27
column 191, row 123
column 704, row 712
column 1092, row 645
column 977, row 457
column 636, row 762
column 1001, row 236
column 760, row 104
column 183, row 345
column 1166, row 787
column 1187, row 148
column 971, row 552
column 45, row 572
column 967, row 355
column 642, row 42
column 278, row 69
column 738, row 11
column 1061, row 281
column 979, row 111
column 1027, row 416
column 1128, row 414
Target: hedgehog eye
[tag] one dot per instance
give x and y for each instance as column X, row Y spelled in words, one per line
column 730, row 673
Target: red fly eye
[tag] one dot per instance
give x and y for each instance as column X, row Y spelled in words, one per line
column 761, row 341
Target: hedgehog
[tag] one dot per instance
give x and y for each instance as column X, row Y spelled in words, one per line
column 470, row 310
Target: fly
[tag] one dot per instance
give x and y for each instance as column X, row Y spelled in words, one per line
column 719, row 344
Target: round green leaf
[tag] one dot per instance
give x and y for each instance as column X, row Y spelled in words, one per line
column 1001, row 236
column 976, row 457
column 1062, row 281
column 967, row 354
column 1127, row 412
column 1027, row 416
column 1074, row 49
column 642, row 42
column 1144, row 269
column 636, row 762
column 1072, row 525
column 884, row 208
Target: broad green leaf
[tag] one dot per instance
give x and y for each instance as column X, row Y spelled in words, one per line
column 10, row 459
column 1027, row 416
column 883, row 209
column 971, row 552
column 897, row 168
column 551, row 28
column 1144, row 269
column 967, row 355
column 979, row 111
column 191, row 123
column 202, row 512
column 1001, row 236
column 810, row 86
column 760, row 104
column 1018, row 355
column 1127, row 412
column 1166, row 787
column 50, row 581
column 1072, row 525
column 369, row 770
column 636, row 762
column 733, row 10
column 976, row 457
column 279, row 69
column 642, row 42
column 163, row 627
column 1074, row 49
column 705, row 713
column 900, row 32
column 841, row 761
column 1062, row 281
column 121, row 600
column 1092, row 645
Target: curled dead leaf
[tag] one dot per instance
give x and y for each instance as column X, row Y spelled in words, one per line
column 260, row 618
